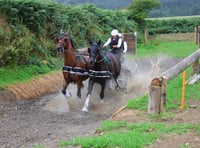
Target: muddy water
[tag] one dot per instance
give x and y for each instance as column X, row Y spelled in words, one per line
column 57, row 103
column 134, row 79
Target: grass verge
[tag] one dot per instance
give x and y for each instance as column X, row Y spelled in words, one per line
column 128, row 135
column 17, row 74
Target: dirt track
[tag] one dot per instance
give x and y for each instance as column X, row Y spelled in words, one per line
column 52, row 118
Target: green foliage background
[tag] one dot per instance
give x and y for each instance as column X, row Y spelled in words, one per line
column 28, row 28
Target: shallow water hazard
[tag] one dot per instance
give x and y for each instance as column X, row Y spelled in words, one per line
column 57, row 103
column 114, row 99
column 135, row 77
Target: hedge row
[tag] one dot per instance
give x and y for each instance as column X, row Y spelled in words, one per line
column 28, row 28
column 165, row 26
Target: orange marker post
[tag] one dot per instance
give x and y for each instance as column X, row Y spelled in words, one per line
column 183, row 90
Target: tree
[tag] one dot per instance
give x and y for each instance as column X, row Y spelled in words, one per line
column 139, row 9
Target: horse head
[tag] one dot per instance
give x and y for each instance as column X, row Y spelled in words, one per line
column 94, row 51
column 63, row 42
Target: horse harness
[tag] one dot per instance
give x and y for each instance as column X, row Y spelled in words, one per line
column 76, row 70
column 86, row 72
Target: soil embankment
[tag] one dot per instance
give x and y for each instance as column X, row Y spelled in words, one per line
column 37, row 87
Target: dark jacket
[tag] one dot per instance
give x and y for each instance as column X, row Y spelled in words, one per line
column 113, row 42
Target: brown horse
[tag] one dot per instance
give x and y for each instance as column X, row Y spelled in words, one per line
column 103, row 68
column 76, row 66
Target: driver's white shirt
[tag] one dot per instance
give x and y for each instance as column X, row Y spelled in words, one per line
column 109, row 41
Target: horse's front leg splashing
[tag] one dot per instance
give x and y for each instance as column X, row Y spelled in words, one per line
column 87, row 100
column 65, row 92
column 102, row 91
column 117, row 87
column 86, row 104
column 79, row 86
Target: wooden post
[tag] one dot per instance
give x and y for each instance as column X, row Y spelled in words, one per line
column 157, row 95
column 198, row 30
column 135, row 34
column 182, row 65
column 131, row 41
column 146, row 37
column 196, row 67
column 157, row 89
column 196, row 35
column 154, row 100
column 163, row 94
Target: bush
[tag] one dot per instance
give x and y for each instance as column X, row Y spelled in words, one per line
column 165, row 26
column 32, row 25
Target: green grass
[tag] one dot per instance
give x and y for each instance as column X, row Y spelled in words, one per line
column 138, row 103
column 174, row 87
column 174, row 90
column 171, row 49
column 16, row 74
column 128, row 135
column 174, row 94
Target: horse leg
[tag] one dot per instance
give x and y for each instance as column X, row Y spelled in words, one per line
column 117, row 73
column 102, row 91
column 79, row 86
column 117, row 83
column 87, row 100
column 79, row 92
column 64, row 91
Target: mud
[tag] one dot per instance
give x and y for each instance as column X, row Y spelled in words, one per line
column 37, row 113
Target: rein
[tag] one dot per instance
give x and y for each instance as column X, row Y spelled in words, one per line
column 103, row 59
column 100, row 60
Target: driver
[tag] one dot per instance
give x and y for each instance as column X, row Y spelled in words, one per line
column 114, row 41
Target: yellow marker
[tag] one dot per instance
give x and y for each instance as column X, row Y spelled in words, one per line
column 44, row 62
column 183, row 91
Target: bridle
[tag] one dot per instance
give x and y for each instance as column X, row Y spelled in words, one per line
column 62, row 46
column 97, row 55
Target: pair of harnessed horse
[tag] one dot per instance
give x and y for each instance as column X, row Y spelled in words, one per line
column 78, row 68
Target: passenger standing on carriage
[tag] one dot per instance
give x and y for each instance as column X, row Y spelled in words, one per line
column 123, row 47
column 124, row 44
column 114, row 41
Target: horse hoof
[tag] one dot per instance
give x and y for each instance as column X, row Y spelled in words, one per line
column 85, row 109
column 117, row 87
column 64, row 92
column 102, row 101
column 68, row 94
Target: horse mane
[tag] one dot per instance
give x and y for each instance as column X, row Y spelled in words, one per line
column 72, row 43
column 95, row 44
